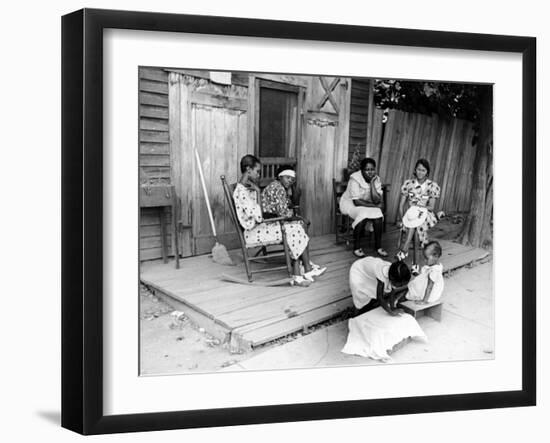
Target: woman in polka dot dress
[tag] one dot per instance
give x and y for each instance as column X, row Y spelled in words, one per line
column 418, row 192
column 258, row 231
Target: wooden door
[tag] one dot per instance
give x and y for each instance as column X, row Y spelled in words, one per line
column 324, row 150
column 212, row 120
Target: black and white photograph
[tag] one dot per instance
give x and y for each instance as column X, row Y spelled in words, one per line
column 291, row 221
column 264, row 222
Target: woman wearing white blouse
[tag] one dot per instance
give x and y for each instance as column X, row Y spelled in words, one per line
column 362, row 201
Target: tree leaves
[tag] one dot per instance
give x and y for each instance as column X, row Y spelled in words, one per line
column 448, row 100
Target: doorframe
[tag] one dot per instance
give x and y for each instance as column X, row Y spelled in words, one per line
column 297, row 87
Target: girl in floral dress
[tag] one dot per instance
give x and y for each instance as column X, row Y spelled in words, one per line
column 258, row 231
column 418, row 192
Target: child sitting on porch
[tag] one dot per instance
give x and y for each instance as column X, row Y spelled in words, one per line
column 428, row 286
column 375, row 282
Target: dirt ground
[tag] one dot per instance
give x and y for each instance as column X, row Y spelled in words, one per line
column 170, row 343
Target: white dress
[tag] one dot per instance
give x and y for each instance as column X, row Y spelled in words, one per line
column 358, row 188
column 418, row 285
column 363, row 279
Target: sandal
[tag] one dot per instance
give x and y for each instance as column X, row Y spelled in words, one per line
column 381, row 252
column 315, row 272
column 401, row 255
column 298, row 280
column 313, row 265
column 359, row 253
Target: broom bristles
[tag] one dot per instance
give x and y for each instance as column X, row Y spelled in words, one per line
column 220, row 255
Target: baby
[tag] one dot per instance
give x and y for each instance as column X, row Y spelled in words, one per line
column 427, row 287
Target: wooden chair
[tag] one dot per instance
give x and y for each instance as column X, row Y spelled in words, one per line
column 342, row 222
column 265, row 252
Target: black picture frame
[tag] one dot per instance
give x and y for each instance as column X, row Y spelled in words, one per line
column 82, row 219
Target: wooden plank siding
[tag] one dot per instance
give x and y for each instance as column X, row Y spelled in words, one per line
column 359, row 111
column 154, row 153
column 179, row 111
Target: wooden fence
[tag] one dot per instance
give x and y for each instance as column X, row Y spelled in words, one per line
column 445, row 143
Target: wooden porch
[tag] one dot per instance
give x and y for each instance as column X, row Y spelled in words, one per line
column 247, row 316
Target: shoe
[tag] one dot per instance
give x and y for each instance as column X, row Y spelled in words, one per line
column 315, row 272
column 313, row 266
column 382, row 252
column 401, row 255
column 299, row 280
column 415, row 270
column 359, row 253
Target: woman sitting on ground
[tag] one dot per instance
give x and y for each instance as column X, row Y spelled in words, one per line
column 362, row 201
column 375, row 282
column 419, row 193
column 259, row 232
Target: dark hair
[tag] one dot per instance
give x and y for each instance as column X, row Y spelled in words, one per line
column 423, row 162
column 249, row 161
column 435, row 247
column 399, row 273
column 283, row 168
column 366, row 161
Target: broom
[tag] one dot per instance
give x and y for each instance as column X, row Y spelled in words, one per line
column 219, row 252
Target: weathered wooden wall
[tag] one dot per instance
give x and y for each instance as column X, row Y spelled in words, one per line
column 359, row 113
column 154, row 152
column 182, row 110
column 213, row 120
column 445, row 143
column 324, row 150
column 218, row 121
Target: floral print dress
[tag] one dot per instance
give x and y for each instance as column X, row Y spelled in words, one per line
column 419, row 194
column 275, row 201
column 258, row 232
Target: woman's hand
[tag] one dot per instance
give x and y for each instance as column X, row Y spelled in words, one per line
column 399, row 223
column 396, row 312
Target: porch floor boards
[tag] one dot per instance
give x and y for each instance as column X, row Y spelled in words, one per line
column 247, row 316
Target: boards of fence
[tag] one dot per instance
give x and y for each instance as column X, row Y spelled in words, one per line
column 445, row 143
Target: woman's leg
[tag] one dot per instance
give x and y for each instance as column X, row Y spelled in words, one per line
column 410, row 233
column 358, row 233
column 417, row 247
column 378, row 224
column 296, row 267
column 305, row 260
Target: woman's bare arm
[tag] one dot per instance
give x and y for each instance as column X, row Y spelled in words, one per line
column 374, row 195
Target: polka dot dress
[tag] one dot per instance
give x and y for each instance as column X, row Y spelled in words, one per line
column 260, row 233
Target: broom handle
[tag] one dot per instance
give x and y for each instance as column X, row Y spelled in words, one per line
column 206, row 194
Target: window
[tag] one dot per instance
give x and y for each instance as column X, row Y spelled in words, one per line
column 278, row 123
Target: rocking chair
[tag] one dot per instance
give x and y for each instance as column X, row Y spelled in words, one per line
column 264, row 253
